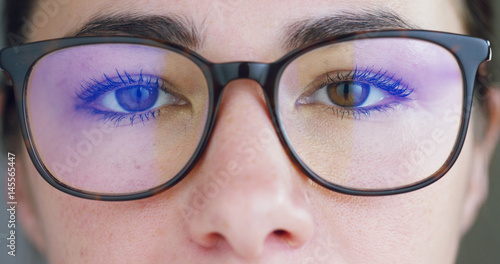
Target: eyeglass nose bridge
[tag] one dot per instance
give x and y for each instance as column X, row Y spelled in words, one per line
column 265, row 74
column 223, row 73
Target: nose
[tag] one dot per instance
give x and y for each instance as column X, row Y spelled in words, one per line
column 248, row 195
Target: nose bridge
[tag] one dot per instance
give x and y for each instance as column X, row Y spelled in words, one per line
column 263, row 73
column 259, row 202
column 227, row 72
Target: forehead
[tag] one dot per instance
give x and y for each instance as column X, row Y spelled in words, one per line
column 247, row 27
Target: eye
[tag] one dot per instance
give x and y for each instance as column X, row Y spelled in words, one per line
column 128, row 94
column 360, row 89
column 137, row 98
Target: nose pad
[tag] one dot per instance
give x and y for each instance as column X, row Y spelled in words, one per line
column 263, row 200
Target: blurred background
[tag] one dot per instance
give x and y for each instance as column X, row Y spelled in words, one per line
column 480, row 246
column 482, row 243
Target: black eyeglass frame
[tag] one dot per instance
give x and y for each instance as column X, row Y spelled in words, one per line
column 18, row 62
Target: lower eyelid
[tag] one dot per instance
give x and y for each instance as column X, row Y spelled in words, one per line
column 122, row 119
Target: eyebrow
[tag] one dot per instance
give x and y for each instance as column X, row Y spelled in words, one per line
column 307, row 31
column 172, row 29
column 183, row 32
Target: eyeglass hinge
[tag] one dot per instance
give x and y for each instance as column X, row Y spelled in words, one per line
column 490, row 51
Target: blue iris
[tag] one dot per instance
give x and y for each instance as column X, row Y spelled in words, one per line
column 136, row 98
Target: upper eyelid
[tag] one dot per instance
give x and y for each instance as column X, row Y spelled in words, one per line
column 384, row 80
column 93, row 89
column 389, row 82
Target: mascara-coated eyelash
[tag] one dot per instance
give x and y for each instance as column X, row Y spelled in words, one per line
column 117, row 118
column 93, row 89
column 381, row 79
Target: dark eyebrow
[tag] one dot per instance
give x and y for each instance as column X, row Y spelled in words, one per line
column 307, row 31
column 172, row 29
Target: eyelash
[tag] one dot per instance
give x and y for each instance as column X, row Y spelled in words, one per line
column 93, row 89
column 382, row 79
column 117, row 118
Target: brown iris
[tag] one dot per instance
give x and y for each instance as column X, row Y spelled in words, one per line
column 348, row 93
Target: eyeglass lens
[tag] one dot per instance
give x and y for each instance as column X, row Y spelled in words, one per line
column 374, row 113
column 116, row 118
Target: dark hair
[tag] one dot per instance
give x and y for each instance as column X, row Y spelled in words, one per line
column 478, row 17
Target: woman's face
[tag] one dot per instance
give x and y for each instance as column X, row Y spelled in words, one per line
column 264, row 210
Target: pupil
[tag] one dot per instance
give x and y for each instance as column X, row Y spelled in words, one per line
column 139, row 94
column 346, row 91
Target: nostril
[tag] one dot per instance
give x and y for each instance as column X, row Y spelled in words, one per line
column 280, row 233
column 287, row 237
column 284, row 235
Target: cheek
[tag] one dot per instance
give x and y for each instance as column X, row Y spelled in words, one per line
column 83, row 231
column 424, row 224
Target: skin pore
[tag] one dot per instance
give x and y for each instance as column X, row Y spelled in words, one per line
column 267, row 211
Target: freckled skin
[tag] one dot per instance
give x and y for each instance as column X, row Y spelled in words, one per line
column 265, row 210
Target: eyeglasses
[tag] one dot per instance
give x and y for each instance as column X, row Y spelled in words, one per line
column 123, row 118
